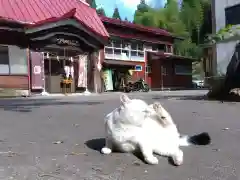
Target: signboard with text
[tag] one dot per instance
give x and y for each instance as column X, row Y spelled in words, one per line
column 65, row 41
column 82, row 71
column 37, row 79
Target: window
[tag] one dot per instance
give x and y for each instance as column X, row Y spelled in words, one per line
column 138, row 68
column 13, row 60
column 117, row 51
column 18, row 60
column 4, row 60
column 141, row 53
column 154, row 48
column 140, row 47
column 137, row 49
column 125, row 52
column 148, row 69
column 134, row 53
column 117, row 44
column 110, row 44
column 126, row 45
column 134, row 46
column 169, row 48
column 159, row 47
column 183, row 70
column 232, row 15
column 57, row 67
column 108, row 50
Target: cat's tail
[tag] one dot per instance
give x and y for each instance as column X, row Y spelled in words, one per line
column 199, row 139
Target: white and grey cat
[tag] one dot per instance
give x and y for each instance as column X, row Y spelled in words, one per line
column 135, row 125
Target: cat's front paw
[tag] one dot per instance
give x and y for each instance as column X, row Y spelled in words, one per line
column 106, row 150
column 152, row 160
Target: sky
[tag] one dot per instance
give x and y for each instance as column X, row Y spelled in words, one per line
column 126, row 7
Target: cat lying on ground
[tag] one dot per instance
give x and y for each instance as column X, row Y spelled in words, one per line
column 135, row 125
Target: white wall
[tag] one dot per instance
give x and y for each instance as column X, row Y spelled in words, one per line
column 224, row 51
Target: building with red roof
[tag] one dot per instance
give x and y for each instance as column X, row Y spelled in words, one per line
column 64, row 28
column 148, row 52
column 44, row 42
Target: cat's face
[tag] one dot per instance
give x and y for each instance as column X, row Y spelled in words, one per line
column 134, row 110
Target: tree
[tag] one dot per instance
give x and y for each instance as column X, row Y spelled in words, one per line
column 92, row 3
column 101, row 12
column 192, row 15
column 116, row 14
column 191, row 20
column 206, row 27
column 126, row 19
column 143, row 7
column 173, row 20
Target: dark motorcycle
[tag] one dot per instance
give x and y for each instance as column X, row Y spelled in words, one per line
column 138, row 85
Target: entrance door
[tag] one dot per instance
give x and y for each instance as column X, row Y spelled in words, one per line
column 53, row 73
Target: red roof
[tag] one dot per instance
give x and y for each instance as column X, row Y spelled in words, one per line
column 138, row 36
column 36, row 11
column 171, row 56
column 119, row 22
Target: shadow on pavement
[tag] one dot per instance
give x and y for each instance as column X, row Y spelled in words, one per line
column 95, row 144
column 198, row 98
column 99, row 143
column 27, row 105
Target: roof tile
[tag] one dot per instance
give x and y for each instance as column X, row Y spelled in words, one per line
column 33, row 11
column 119, row 22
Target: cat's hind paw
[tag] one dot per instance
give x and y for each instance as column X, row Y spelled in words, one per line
column 151, row 160
column 106, row 150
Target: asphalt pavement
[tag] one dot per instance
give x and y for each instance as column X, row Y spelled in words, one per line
column 58, row 138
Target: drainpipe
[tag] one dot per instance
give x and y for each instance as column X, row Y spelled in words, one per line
column 146, row 63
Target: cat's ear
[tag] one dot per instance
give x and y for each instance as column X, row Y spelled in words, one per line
column 151, row 106
column 124, row 99
column 157, row 106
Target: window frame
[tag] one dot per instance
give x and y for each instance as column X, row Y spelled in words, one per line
column 108, row 48
column 139, row 66
column 18, row 62
column 127, row 48
column 9, row 70
column 148, row 69
column 182, row 73
column 137, row 50
column 157, row 47
column 229, row 13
